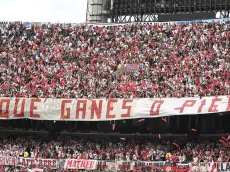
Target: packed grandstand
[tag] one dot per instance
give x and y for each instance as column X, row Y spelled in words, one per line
column 121, row 61
column 183, row 62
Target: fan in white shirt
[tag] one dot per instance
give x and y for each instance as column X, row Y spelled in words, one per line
column 32, row 154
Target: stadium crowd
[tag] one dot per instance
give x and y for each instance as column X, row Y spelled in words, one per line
column 123, row 61
column 102, row 148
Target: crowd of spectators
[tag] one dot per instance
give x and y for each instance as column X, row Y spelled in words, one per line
column 123, row 61
column 104, row 148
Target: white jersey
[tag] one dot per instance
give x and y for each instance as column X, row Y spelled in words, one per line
column 32, row 154
column 134, row 157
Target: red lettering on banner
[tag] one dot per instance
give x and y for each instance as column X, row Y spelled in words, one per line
column 110, row 108
column 93, row 111
column 7, row 160
column 23, row 161
column 65, row 112
column 45, row 163
column 80, row 164
column 91, row 164
column 157, row 111
column 213, row 107
column 75, row 164
column 27, row 162
column 2, row 161
column 21, row 114
column 96, row 109
column 40, row 163
column 203, row 102
column 187, row 103
column 69, row 163
column 72, row 163
column 33, row 107
column 6, row 113
column 124, row 106
column 31, row 161
column 87, row 163
column 14, row 161
column 10, row 161
column 228, row 108
column 81, row 109
column 54, row 163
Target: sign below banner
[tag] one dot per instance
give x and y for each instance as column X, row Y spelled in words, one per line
column 221, row 166
column 38, row 165
column 111, row 109
column 41, row 163
column 80, row 164
column 7, row 160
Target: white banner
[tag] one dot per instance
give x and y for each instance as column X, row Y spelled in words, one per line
column 106, row 166
column 140, row 164
column 81, row 164
column 111, row 109
column 124, row 165
column 40, row 163
column 220, row 167
column 198, row 167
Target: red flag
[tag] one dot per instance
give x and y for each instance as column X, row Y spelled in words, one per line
column 227, row 145
column 123, row 89
column 175, row 144
column 213, row 166
column 224, row 138
column 164, row 120
column 141, row 120
column 194, row 130
column 133, row 86
column 36, row 155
